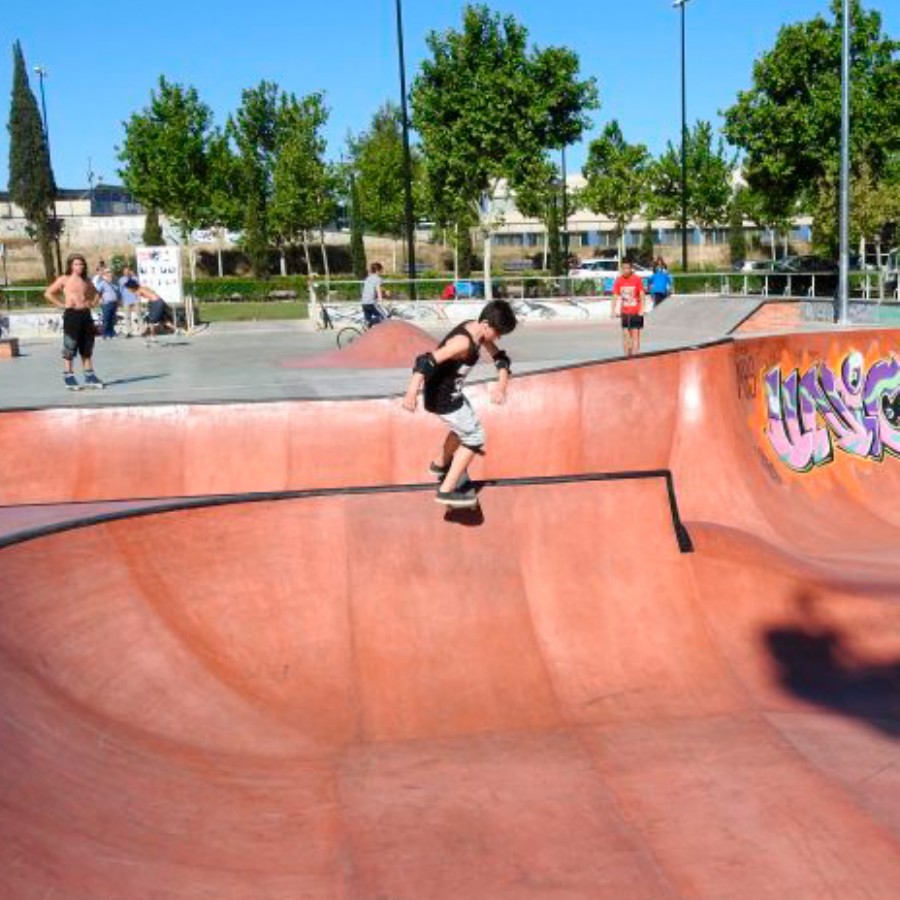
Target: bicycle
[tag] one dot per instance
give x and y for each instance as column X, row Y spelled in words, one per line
column 527, row 309
column 349, row 333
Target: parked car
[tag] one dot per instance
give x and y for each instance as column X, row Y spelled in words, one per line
column 798, row 275
column 605, row 271
column 753, row 265
column 470, row 289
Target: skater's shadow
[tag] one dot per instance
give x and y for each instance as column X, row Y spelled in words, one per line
column 817, row 663
column 135, row 379
column 469, row 518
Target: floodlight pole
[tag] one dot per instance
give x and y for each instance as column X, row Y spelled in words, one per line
column 42, row 73
column 565, row 223
column 407, row 163
column 844, row 267
column 684, row 241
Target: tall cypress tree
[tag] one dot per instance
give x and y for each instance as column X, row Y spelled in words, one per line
column 31, row 183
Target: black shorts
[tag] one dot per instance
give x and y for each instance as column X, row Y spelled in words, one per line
column 157, row 312
column 632, row 321
column 78, row 333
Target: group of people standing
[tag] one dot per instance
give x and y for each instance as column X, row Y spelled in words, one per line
column 77, row 295
column 114, row 293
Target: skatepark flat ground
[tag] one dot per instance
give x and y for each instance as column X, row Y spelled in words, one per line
column 245, row 361
column 244, row 655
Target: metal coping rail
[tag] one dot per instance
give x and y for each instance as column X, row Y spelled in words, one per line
column 161, row 505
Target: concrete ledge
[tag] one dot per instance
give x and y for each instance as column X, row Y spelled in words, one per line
column 9, row 347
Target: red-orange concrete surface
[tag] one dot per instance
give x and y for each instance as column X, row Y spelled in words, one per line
column 352, row 696
column 394, row 344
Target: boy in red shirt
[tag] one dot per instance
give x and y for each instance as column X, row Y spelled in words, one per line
column 628, row 302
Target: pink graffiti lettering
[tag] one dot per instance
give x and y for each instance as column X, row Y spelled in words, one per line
column 856, row 411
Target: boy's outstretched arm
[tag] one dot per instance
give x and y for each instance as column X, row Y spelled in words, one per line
column 410, row 398
column 504, row 370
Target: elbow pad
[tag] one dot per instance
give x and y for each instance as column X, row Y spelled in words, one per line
column 502, row 361
column 425, row 364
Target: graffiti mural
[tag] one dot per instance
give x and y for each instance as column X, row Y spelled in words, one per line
column 855, row 409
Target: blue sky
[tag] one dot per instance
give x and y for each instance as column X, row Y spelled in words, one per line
column 104, row 58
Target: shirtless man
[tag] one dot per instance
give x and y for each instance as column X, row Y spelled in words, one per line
column 76, row 296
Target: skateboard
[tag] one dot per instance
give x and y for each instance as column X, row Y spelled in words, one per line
column 467, row 487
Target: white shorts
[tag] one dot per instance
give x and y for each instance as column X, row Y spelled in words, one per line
column 466, row 425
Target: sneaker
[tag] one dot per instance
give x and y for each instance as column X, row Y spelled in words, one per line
column 92, row 381
column 71, row 382
column 457, row 499
column 438, row 471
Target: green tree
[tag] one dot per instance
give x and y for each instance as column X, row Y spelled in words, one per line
column 378, row 162
column 167, row 159
column 540, row 197
column 788, row 123
column 357, row 240
column 647, row 245
column 302, row 183
column 153, row 233
column 617, row 176
column 709, row 168
column 377, row 157
column 31, row 183
column 873, row 206
column 254, row 130
column 487, row 110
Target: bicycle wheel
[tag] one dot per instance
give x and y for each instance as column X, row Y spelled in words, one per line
column 346, row 336
column 427, row 311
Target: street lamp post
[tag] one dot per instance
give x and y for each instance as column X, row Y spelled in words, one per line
column 42, row 73
column 684, row 243
column 407, row 163
column 565, row 225
column 844, row 265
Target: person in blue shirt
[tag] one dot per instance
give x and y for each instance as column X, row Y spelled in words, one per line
column 660, row 281
column 109, row 302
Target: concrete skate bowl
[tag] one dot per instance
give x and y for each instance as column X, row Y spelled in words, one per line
column 342, row 693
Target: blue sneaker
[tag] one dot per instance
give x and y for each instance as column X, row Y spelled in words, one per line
column 71, row 382
column 92, row 381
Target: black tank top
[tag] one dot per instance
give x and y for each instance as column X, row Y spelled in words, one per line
column 443, row 388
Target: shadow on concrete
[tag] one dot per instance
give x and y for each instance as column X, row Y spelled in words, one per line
column 135, row 379
column 817, row 663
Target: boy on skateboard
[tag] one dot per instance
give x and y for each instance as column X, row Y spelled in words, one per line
column 442, row 373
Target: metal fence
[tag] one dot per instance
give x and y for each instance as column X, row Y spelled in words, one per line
column 526, row 287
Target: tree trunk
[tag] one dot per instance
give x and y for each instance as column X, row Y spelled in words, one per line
column 282, row 262
column 309, row 266
column 488, row 286
column 47, row 257
column 773, row 235
column 546, row 248
column 325, row 266
column 219, row 252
